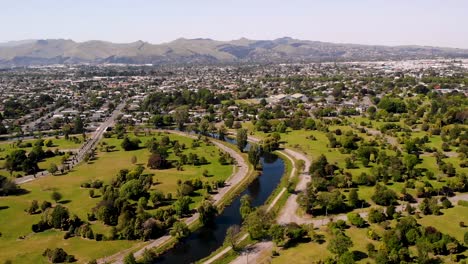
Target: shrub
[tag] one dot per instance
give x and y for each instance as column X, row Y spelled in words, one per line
column 58, row 255
column 356, row 220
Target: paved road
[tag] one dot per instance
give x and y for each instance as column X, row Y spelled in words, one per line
column 237, row 176
column 88, row 145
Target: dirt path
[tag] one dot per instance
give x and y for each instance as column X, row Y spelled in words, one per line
column 256, row 252
column 238, row 175
column 289, row 212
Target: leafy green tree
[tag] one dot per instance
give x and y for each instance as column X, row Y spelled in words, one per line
column 180, row 117
column 56, row 196
column 132, row 189
column 383, row 196
column 254, row 155
column 130, row 259
column 52, row 168
column 353, row 198
column 317, row 167
column 331, row 201
column 179, row 230
column 258, row 223
column 241, row 138
column 207, row 212
column 339, row 244
column 78, row 125
column 33, row 207
column 182, row 205
column 245, row 207
column 231, row 237
column 356, row 220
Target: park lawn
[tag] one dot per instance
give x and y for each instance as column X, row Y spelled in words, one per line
column 61, row 144
column 312, row 252
column 30, row 250
column 14, row 222
column 167, row 178
column 303, row 253
column 448, row 223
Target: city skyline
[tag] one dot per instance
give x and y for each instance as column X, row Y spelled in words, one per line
column 428, row 23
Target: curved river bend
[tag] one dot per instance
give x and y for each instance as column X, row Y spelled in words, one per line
column 205, row 240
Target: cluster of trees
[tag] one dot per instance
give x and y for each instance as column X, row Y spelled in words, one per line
column 408, row 233
column 130, row 144
column 162, row 101
column 58, row 255
column 57, row 217
column 125, row 201
column 20, row 160
column 129, row 219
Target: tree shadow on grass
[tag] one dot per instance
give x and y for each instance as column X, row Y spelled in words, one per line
column 359, row 255
column 64, row 201
column 3, row 207
column 19, row 192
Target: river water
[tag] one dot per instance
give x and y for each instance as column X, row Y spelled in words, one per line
column 205, row 240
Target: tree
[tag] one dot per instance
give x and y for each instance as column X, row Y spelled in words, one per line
column 8, row 186
column 180, row 117
column 376, row 215
column 182, row 205
column 241, row 138
column 245, row 207
column 52, row 168
column 56, row 196
column 317, row 167
column 339, row 244
column 130, row 259
column 179, row 230
column 356, row 220
column 33, row 207
column 130, row 144
column 353, row 198
column 258, row 223
column 58, row 255
column 254, row 155
column 384, row 196
column 231, row 236
column 149, row 257
column 207, row 212
column 331, row 201
column 78, row 126
column 156, row 161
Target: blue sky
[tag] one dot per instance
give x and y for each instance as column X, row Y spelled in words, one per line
column 391, row 22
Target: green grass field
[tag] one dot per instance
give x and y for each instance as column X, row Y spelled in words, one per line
column 58, row 143
column 15, row 223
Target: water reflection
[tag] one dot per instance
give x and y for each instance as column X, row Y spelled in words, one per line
column 207, row 239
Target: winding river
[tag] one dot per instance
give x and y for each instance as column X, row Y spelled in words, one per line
column 205, row 240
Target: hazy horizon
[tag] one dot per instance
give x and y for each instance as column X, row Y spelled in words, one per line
column 390, row 23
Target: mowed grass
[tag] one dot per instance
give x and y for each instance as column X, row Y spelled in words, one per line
column 60, row 143
column 313, row 252
column 15, row 223
column 448, row 223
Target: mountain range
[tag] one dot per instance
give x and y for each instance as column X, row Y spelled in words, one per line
column 207, row 51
